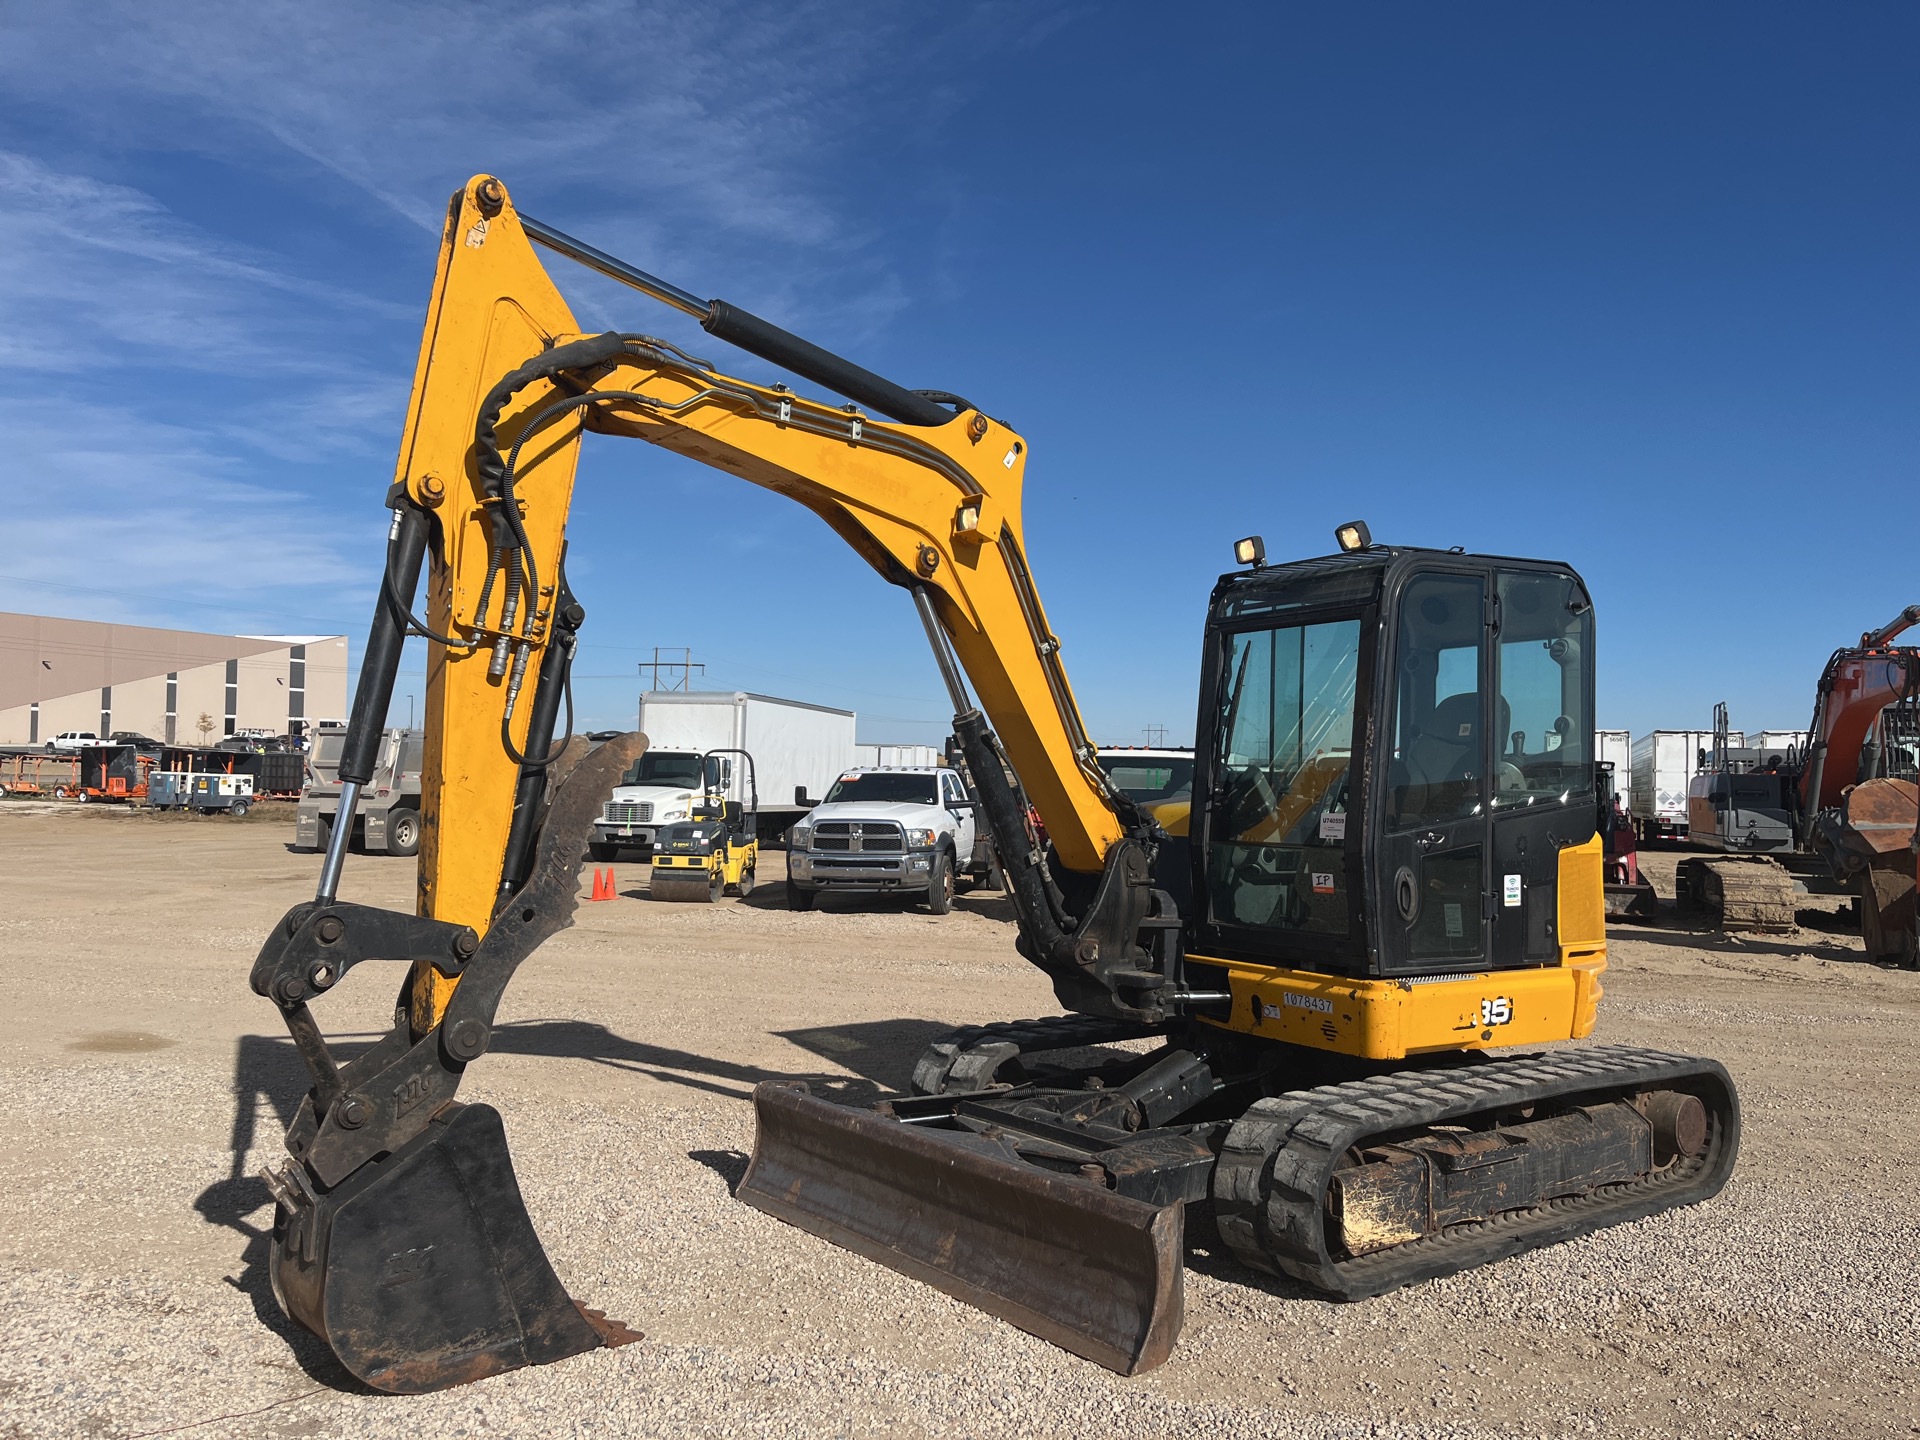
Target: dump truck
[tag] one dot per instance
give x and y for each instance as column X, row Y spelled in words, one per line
column 387, row 811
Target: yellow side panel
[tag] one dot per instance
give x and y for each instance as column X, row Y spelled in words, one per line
column 1392, row 1019
column 1583, row 897
column 1582, row 923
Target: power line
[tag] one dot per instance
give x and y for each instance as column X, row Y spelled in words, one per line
column 685, row 665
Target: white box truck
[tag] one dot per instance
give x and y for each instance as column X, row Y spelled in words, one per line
column 1663, row 763
column 797, row 749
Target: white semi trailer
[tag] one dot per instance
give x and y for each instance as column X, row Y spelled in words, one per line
column 797, row 749
column 1777, row 743
column 1663, row 763
column 1615, row 748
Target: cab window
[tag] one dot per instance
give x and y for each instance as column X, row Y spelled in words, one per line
column 1545, row 709
column 883, row 787
column 1283, row 748
column 1439, row 744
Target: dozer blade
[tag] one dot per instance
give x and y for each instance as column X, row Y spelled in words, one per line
column 1091, row 1271
column 1631, row 902
column 422, row 1269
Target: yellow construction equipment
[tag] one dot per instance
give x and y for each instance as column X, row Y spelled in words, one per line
column 714, row 850
column 1388, row 869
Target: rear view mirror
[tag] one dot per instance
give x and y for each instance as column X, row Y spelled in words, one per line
column 800, row 797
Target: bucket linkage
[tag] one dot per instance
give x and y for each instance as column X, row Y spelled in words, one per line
column 400, row 1236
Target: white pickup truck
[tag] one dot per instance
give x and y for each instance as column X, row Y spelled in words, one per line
column 889, row 830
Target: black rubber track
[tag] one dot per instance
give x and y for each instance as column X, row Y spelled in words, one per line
column 966, row 1060
column 1270, row 1184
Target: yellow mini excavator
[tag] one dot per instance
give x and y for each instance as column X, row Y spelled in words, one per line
column 1388, row 872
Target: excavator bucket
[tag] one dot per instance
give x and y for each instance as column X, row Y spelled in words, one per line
column 400, row 1236
column 1091, row 1271
column 422, row 1270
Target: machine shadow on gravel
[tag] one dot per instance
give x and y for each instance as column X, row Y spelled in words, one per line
column 879, row 1052
column 268, row 1072
column 1715, row 941
column 772, row 895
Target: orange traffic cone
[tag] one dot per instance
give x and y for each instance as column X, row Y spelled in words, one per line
column 603, row 884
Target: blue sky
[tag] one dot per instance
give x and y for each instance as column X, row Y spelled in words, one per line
column 1631, row 286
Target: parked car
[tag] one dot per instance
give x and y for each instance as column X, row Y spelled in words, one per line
column 71, row 740
column 133, row 738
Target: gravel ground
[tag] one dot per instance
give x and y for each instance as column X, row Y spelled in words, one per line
column 144, row 1087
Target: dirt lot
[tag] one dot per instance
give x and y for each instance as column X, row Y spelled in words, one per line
column 144, row 1088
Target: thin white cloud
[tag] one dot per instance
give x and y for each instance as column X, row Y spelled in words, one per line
column 123, row 508
column 737, row 147
column 93, row 268
column 721, row 141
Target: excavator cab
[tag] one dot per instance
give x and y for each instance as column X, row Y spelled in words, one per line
column 1437, row 850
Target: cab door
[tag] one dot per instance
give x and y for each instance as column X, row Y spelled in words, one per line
column 955, row 800
column 1543, row 797
column 1433, row 862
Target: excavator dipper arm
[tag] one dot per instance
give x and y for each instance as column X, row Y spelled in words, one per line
column 400, row 1235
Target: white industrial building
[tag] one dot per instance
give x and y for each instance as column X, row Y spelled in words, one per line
column 179, row 686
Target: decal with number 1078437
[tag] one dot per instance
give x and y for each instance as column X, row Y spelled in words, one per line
column 1497, row 1011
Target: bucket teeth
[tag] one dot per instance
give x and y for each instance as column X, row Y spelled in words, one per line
column 612, row 1333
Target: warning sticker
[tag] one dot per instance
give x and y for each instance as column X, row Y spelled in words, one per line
column 1322, row 883
column 1455, row 930
column 1512, row 896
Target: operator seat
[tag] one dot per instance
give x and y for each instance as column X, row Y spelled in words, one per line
column 1444, row 754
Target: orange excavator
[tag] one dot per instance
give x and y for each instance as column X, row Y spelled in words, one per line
column 1838, row 814
column 1857, row 804
column 1387, row 879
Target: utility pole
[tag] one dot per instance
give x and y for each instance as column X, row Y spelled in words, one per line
column 685, row 666
column 1156, row 736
